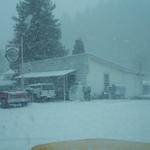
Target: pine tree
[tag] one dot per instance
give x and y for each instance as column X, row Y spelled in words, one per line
column 78, row 47
column 42, row 39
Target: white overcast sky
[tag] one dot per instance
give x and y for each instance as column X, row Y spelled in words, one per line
column 8, row 9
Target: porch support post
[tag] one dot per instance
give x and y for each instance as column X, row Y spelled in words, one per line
column 64, row 88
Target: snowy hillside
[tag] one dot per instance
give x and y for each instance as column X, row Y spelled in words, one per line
column 22, row 128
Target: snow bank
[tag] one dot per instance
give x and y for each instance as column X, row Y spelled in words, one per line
column 23, row 128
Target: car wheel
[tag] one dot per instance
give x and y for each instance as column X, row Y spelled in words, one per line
column 24, row 104
column 43, row 99
column 4, row 103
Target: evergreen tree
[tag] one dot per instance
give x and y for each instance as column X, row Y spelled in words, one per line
column 78, row 47
column 3, row 65
column 41, row 39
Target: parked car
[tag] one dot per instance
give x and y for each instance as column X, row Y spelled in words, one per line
column 41, row 92
column 13, row 98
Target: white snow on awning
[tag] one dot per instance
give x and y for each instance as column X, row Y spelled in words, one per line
column 6, row 83
column 46, row 74
column 9, row 72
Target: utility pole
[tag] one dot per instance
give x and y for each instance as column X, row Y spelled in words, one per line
column 28, row 24
column 22, row 61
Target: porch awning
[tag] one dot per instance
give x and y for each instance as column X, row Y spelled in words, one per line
column 46, row 74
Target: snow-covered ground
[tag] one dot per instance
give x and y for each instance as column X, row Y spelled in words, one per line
column 22, row 128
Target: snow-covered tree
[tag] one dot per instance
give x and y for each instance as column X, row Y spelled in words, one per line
column 40, row 30
column 78, row 47
column 3, row 65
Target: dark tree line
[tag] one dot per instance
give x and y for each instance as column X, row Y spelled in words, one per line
column 40, row 30
column 78, row 47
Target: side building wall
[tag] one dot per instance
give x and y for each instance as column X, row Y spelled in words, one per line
column 95, row 79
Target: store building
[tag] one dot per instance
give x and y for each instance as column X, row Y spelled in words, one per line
column 71, row 73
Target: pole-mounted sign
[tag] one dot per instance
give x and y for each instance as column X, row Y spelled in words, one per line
column 12, row 54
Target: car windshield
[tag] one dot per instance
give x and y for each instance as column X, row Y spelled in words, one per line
column 35, row 87
column 75, row 73
column 47, row 87
column 13, row 96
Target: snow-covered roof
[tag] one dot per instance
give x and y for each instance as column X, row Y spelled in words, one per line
column 6, row 83
column 1, row 77
column 9, row 72
column 146, row 83
column 46, row 74
column 83, row 56
column 119, row 84
column 113, row 64
column 17, row 92
column 40, row 84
